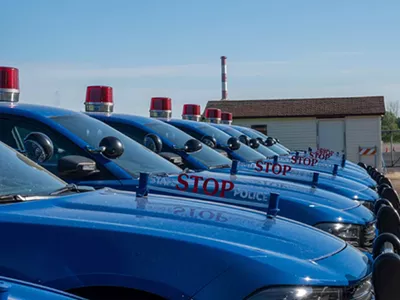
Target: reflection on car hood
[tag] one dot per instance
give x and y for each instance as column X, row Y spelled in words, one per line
column 247, row 190
column 178, row 218
column 337, row 184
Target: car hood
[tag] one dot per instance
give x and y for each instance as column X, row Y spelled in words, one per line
column 222, row 226
column 337, row 184
column 247, row 190
column 327, row 167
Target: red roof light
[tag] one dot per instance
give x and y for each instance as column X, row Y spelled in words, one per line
column 9, row 78
column 214, row 113
column 99, row 94
column 161, row 103
column 191, row 110
column 226, row 116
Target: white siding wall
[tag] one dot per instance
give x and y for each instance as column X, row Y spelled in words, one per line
column 364, row 132
column 295, row 133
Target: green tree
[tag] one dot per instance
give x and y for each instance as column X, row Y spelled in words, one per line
column 390, row 122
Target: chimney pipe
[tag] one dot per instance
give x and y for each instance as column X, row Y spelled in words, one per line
column 223, row 79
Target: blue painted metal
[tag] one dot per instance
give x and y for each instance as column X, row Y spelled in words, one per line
column 19, row 290
column 350, row 171
column 116, row 239
column 234, row 167
column 300, row 202
column 171, row 136
column 284, row 151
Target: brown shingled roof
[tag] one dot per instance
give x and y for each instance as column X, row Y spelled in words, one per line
column 311, row 107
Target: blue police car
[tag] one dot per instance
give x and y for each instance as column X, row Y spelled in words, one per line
column 312, row 159
column 109, row 244
column 202, row 130
column 13, row 289
column 170, row 139
column 273, row 144
column 323, row 161
column 89, row 152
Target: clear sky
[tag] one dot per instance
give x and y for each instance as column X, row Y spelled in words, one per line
column 275, row 49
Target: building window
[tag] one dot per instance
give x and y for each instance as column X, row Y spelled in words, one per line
column 260, row 128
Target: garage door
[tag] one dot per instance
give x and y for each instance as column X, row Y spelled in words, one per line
column 331, row 135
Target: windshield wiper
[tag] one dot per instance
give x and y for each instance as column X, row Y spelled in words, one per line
column 71, row 188
column 11, row 198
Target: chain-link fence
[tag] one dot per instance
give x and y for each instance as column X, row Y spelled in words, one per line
column 391, row 148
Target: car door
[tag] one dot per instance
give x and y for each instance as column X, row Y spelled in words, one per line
column 15, row 129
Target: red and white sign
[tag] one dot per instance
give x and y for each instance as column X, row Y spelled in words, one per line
column 367, row 151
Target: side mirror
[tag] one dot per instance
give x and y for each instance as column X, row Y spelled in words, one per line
column 209, row 141
column 254, row 143
column 38, row 147
column 269, row 141
column 192, row 146
column 76, row 167
column 244, row 139
column 112, row 147
column 233, row 143
column 153, row 142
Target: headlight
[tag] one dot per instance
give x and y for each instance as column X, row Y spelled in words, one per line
column 349, row 232
column 362, row 290
column 299, row 293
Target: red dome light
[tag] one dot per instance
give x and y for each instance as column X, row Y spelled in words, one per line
column 161, row 103
column 212, row 115
column 99, row 94
column 191, row 112
column 9, row 84
column 99, row 99
column 161, row 107
column 226, row 118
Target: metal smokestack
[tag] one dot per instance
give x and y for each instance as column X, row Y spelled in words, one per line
column 224, row 79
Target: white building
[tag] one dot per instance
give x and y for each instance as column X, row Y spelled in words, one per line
column 340, row 124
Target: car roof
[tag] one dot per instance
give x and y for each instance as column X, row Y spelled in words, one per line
column 123, row 117
column 34, row 109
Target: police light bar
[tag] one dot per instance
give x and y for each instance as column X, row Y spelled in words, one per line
column 99, row 99
column 191, row 112
column 161, row 107
column 212, row 115
column 9, row 84
column 226, row 118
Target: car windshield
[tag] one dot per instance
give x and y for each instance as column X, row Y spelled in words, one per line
column 233, row 132
column 178, row 138
column 135, row 159
column 277, row 148
column 222, row 138
column 21, row 176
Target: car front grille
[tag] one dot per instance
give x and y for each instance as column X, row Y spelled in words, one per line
column 361, row 291
column 368, row 235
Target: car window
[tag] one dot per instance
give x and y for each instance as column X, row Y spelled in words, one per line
column 19, row 175
column 222, row 138
column 207, row 156
column 18, row 129
column 135, row 159
column 136, row 134
column 277, row 148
